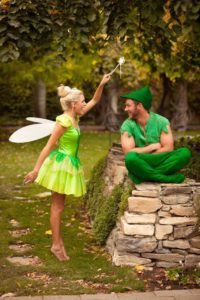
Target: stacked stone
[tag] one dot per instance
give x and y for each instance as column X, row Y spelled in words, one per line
column 115, row 172
column 159, row 228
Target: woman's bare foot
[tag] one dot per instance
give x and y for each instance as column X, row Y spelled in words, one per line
column 65, row 253
column 58, row 252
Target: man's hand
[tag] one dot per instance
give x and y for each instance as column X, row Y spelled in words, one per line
column 128, row 144
column 154, row 147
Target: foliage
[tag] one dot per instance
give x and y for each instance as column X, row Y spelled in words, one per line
column 95, row 187
column 104, row 209
column 183, row 276
column 193, row 143
column 145, row 26
column 124, row 199
column 19, row 79
column 45, row 25
column 107, row 213
column 156, row 37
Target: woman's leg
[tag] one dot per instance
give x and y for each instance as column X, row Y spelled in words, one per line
column 57, row 207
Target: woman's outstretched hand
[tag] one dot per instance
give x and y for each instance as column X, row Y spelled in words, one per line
column 105, row 79
column 30, row 177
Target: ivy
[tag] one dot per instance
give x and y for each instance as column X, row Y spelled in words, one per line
column 104, row 210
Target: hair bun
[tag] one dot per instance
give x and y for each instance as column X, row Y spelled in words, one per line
column 63, row 90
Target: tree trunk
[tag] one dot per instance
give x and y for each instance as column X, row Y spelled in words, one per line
column 106, row 113
column 111, row 121
column 39, row 98
column 167, row 97
column 180, row 106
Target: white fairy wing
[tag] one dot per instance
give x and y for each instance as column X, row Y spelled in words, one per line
column 32, row 132
column 39, row 120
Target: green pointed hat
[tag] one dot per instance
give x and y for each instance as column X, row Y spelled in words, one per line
column 142, row 95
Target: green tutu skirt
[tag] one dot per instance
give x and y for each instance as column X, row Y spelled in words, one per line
column 62, row 173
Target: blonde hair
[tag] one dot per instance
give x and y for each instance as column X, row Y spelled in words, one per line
column 68, row 95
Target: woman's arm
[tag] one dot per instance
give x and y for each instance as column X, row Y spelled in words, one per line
column 97, row 95
column 57, row 132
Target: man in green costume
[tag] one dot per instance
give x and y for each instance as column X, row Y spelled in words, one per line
column 148, row 143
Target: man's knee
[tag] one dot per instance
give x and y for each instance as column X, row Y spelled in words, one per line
column 185, row 154
column 130, row 158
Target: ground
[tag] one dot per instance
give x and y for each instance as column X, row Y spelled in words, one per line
column 162, row 279
column 25, row 235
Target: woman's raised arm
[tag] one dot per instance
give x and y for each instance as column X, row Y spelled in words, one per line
column 97, row 95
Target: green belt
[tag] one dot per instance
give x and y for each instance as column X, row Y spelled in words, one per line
column 61, row 155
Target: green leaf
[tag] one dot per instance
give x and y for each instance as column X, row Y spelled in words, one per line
column 3, row 28
column 12, row 36
column 15, row 54
column 194, row 17
column 82, row 21
column 84, row 39
column 187, row 29
column 195, row 9
column 4, row 51
column 59, row 22
column 177, row 29
column 2, row 40
column 48, row 21
column 5, row 58
column 2, row 17
column 14, row 23
column 92, row 17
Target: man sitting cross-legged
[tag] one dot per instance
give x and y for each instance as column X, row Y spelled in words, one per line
column 148, row 143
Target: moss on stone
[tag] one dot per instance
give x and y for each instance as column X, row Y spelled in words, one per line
column 104, row 210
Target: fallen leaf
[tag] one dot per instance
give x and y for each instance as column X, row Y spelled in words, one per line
column 139, row 268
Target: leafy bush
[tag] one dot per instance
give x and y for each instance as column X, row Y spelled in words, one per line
column 95, row 188
column 104, row 210
column 106, row 215
column 192, row 169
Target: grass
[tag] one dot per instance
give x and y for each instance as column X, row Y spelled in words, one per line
column 90, row 269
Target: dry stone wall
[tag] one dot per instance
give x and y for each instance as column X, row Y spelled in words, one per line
column 160, row 226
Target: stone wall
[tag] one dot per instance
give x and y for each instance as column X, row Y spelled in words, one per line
column 159, row 227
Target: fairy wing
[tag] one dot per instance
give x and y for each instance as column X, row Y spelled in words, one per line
column 32, row 132
column 40, row 120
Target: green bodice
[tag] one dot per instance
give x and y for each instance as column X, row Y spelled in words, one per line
column 68, row 143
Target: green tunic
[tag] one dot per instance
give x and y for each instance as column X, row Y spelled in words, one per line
column 61, row 171
column 156, row 124
column 159, row 167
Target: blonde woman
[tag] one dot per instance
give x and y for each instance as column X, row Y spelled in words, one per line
column 58, row 167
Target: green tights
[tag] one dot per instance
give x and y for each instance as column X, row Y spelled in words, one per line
column 159, row 167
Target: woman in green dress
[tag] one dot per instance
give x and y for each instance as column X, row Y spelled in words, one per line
column 58, row 167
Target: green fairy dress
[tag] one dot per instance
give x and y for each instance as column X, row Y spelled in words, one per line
column 61, row 171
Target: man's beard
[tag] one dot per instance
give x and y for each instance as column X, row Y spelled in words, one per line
column 134, row 115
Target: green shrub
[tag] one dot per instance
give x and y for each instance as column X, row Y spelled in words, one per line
column 192, row 169
column 104, row 210
column 106, row 215
column 95, row 188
